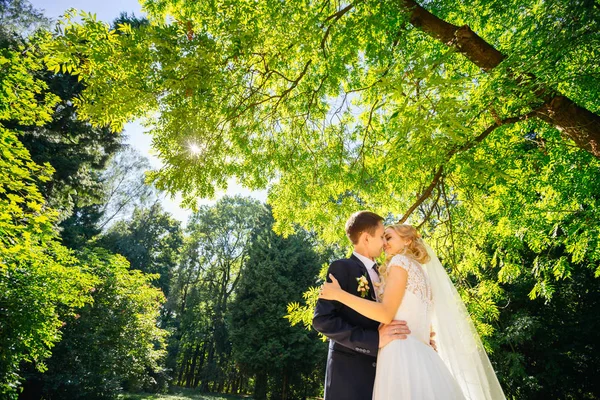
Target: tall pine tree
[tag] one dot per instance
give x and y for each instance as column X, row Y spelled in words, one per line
column 287, row 361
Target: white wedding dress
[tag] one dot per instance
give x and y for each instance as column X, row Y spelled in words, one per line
column 410, row 369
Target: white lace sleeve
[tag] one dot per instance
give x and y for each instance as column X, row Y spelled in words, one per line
column 417, row 281
column 401, row 261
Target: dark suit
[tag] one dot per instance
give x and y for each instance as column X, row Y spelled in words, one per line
column 354, row 339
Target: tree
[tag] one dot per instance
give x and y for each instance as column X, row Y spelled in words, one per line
column 284, row 359
column 18, row 17
column 151, row 241
column 43, row 285
column 542, row 340
column 120, row 188
column 76, row 151
column 125, row 187
column 397, row 20
column 365, row 106
column 434, row 114
column 216, row 250
column 111, row 342
column 41, row 281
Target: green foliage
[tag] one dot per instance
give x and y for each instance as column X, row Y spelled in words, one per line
column 41, row 283
column 111, row 342
column 212, row 260
column 77, row 152
column 303, row 313
column 44, row 287
column 23, row 97
column 335, row 110
column 264, row 344
column 322, row 101
column 39, row 279
column 541, row 341
column 150, row 241
column 17, row 18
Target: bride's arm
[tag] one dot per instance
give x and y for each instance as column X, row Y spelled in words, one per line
column 383, row 312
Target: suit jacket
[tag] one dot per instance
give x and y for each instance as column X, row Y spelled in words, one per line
column 353, row 338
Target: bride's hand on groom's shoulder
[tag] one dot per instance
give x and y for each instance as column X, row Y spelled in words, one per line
column 330, row 290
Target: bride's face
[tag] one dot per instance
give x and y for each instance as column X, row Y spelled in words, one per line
column 394, row 243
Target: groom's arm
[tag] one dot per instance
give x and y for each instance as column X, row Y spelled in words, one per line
column 328, row 321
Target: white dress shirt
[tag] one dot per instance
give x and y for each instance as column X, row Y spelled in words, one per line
column 372, row 273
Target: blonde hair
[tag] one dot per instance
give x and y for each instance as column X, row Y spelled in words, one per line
column 415, row 250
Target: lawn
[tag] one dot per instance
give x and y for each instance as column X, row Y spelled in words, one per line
column 181, row 394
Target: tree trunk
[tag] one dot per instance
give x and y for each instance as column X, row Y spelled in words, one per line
column 284, row 386
column 574, row 121
column 260, row 386
column 244, row 381
column 198, row 373
column 578, row 123
column 235, row 385
column 220, row 384
column 211, row 357
column 189, row 381
column 183, row 367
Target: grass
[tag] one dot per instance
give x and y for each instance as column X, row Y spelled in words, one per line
column 181, row 394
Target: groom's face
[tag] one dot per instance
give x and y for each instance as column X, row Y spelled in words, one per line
column 376, row 241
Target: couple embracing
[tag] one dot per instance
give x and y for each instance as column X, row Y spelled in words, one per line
column 381, row 320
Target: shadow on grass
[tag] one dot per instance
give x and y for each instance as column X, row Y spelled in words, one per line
column 181, row 394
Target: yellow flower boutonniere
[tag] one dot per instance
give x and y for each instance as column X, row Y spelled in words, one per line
column 363, row 286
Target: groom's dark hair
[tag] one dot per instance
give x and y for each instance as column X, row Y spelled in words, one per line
column 362, row 221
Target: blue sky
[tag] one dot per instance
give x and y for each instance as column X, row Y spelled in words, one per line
column 108, row 10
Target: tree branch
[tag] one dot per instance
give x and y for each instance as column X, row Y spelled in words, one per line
column 578, row 123
column 428, row 215
column 424, row 195
column 464, row 147
column 336, row 16
column 448, row 210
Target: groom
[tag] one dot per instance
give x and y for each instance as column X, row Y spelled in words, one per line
column 355, row 339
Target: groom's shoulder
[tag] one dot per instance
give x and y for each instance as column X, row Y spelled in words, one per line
column 340, row 268
column 344, row 260
column 343, row 263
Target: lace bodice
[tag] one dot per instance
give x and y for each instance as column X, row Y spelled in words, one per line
column 417, row 281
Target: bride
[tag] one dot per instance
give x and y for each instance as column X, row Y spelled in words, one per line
column 416, row 288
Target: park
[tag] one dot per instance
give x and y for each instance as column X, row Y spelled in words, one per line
column 175, row 181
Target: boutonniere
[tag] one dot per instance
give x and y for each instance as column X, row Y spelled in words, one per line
column 363, row 286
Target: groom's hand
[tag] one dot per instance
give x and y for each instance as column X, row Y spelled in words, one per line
column 393, row 331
